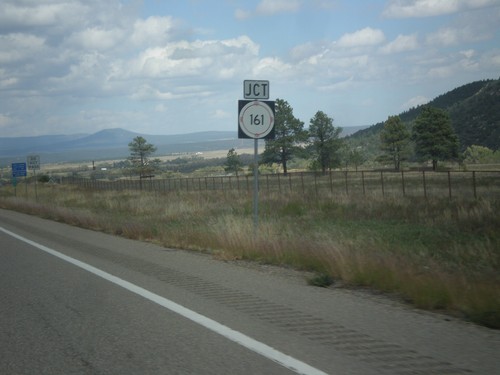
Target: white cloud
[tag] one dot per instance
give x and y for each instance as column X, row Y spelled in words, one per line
column 468, row 53
column 491, row 61
column 269, row 8
column 271, row 67
column 18, row 47
column 401, row 44
column 338, row 86
column 160, row 108
column 414, row 102
column 37, row 13
column 241, row 14
column 5, row 121
column 197, row 58
column 430, row 8
column 153, row 31
column 450, row 36
column 362, row 38
column 96, row 38
column 221, row 114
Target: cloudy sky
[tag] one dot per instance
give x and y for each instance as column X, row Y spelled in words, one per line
column 177, row 66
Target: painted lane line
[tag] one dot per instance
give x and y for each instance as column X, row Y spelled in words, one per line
column 235, row 336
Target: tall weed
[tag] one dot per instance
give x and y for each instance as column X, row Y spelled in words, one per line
column 436, row 253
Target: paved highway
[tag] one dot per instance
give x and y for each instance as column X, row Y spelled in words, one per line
column 73, row 301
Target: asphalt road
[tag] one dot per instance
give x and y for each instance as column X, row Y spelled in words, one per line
column 73, row 301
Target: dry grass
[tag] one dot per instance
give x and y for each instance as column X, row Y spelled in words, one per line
column 437, row 254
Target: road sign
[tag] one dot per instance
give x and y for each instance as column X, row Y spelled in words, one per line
column 256, row 119
column 18, row 169
column 255, row 89
column 33, row 162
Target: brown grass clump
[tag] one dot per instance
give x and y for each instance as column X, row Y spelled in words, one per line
column 440, row 254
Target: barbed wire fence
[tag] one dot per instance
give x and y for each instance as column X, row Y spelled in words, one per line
column 473, row 184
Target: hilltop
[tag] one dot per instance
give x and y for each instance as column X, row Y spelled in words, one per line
column 474, row 110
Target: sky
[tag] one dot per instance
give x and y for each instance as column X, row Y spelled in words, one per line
column 178, row 66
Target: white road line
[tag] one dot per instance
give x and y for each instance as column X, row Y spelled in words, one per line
column 238, row 337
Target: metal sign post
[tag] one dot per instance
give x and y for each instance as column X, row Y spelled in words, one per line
column 34, row 164
column 19, row 170
column 255, row 185
column 256, row 121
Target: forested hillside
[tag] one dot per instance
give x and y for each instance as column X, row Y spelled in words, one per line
column 474, row 110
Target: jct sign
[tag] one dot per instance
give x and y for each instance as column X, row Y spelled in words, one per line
column 255, row 89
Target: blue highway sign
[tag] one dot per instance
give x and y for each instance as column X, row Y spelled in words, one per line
column 18, row 169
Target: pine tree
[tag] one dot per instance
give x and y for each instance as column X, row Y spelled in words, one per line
column 233, row 163
column 325, row 142
column 289, row 137
column 434, row 136
column 140, row 150
column 394, row 139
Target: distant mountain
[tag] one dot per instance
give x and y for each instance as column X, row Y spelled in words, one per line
column 349, row 130
column 111, row 143
column 474, row 110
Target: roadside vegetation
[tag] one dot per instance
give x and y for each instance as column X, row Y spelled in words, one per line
column 437, row 254
column 400, row 225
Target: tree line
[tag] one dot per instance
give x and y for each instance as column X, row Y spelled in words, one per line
column 429, row 138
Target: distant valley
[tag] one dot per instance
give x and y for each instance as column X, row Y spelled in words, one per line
column 113, row 144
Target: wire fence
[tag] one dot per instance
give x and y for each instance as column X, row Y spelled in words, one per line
column 426, row 184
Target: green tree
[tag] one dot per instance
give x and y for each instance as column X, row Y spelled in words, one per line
column 478, row 154
column 325, row 143
column 289, row 136
column 351, row 155
column 233, row 163
column 434, row 136
column 356, row 157
column 394, row 139
column 140, row 150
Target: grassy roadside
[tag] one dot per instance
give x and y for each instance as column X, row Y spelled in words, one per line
column 437, row 254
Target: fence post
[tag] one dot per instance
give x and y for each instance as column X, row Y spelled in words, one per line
column 474, row 183
column 449, row 184
column 382, row 182
column 403, row 182
column 346, row 187
column 425, row 185
column 363, row 181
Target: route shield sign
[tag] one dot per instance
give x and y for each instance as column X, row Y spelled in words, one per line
column 256, row 119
